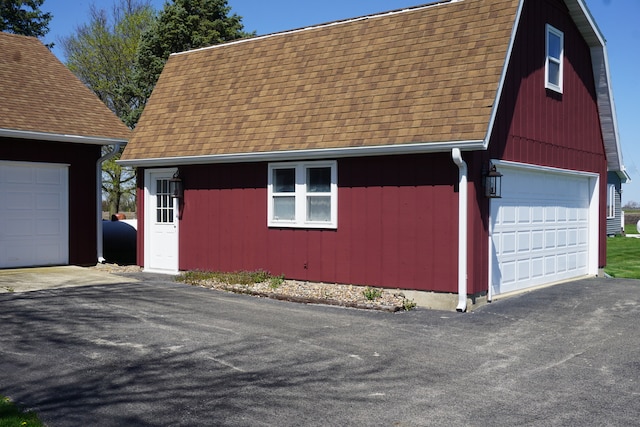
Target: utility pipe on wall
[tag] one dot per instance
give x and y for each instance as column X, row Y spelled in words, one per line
column 115, row 149
column 456, row 155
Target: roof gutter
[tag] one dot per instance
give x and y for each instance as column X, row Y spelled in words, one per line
column 57, row 137
column 456, row 155
column 115, row 148
column 319, row 153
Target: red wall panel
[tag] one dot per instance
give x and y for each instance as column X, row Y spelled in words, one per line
column 81, row 159
column 537, row 126
column 397, row 216
column 394, row 224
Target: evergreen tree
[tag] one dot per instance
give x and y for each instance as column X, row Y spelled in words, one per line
column 182, row 25
column 24, row 17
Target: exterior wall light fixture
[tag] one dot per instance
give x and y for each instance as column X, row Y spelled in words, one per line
column 175, row 186
column 493, row 183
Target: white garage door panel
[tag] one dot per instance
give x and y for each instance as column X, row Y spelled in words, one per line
column 34, row 229
column 540, row 229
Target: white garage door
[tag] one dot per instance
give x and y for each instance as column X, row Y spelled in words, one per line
column 34, row 226
column 541, row 228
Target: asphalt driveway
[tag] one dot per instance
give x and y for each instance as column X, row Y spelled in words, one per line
column 149, row 352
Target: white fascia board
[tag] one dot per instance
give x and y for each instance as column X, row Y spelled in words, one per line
column 607, row 108
column 602, row 78
column 624, row 176
column 538, row 168
column 585, row 22
column 44, row 136
column 323, row 153
column 503, row 77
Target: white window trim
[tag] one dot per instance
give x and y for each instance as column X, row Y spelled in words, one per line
column 300, row 195
column 611, row 201
column 560, row 62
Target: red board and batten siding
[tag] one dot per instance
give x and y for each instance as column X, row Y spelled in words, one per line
column 395, row 225
column 81, row 159
column 397, row 216
column 538, row 126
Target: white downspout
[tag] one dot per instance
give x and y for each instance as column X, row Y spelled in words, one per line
column 462, row 229
column 115, row 150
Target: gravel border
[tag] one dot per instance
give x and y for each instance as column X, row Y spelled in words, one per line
column 352, row 296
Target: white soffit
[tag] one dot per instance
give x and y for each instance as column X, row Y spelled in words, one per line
column 602, row 78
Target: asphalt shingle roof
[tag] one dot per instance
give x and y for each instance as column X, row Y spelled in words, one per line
column 422, row 75
column 39, row 94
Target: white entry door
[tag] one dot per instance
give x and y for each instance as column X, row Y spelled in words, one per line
column 161, row 223
column 34, row 214
column 544, row 229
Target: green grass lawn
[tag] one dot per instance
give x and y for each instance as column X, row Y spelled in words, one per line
column 12, row 416
column 623, row 255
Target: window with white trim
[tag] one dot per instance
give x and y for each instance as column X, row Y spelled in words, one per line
column 164, row 202
column 611, row 201
column 555, row 58
column 303, row 194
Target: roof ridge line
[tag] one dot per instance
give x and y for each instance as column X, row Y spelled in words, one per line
column 324, row 25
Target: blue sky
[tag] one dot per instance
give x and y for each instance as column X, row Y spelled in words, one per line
column 617, row 19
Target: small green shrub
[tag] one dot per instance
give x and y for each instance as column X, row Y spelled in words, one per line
column 408, row 304
column 235, row 277
column 276, row 281
column 371, row 294
column 11, row 415
column 194, row 277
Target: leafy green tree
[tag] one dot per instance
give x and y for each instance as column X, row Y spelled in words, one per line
column 182, row 25
column 118, row 185
column 24, row 17
column 102, row 54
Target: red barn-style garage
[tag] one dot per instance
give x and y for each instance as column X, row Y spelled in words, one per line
column 52, row 129
column 359, row 152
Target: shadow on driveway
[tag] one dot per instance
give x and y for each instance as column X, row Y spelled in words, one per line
column 152, row 352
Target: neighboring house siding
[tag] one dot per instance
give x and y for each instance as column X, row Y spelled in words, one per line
column 395, row 225
column 82, row 187
column 614, row 224
column 538, row 126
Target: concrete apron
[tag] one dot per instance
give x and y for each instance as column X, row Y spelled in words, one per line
column 39, row 278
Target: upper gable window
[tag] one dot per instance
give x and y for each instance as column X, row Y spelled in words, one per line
column 303, row 195
column 555, row 55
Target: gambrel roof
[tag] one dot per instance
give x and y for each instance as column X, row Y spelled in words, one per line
column 42, row 99
column 422, row 79
column 423, row 75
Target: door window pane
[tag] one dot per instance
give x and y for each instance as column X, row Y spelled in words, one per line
column 164, row 202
